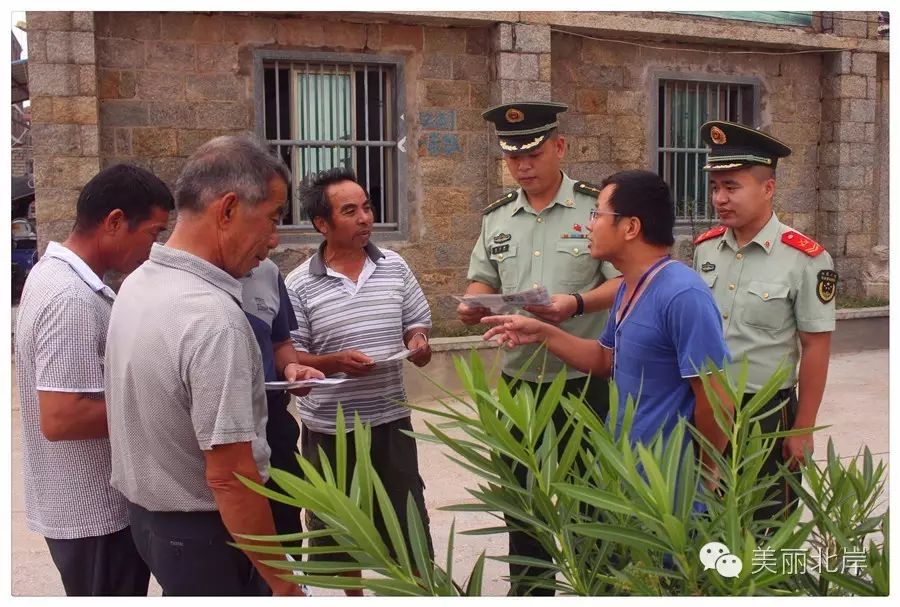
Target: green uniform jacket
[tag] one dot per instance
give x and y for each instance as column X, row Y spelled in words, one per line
column 520, row 249
column 767, row 291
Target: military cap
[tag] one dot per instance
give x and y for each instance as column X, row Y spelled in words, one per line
column 734, row 145
column 524, row 125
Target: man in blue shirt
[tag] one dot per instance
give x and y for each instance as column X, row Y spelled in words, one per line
column 271, row 316
column 663, row 326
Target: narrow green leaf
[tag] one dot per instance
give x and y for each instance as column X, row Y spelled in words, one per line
column 392, row 524
column 419, row 542
column 476, row 578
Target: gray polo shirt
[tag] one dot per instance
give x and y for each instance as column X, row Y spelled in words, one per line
column 60, row 340
column 183, row 374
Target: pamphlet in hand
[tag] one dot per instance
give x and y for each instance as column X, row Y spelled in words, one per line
column 304, row 383
column 402, row 354
column 507, row 302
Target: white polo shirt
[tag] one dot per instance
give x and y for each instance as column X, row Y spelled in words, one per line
column 60, row 344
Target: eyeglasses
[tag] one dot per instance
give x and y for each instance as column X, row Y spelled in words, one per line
column 595, row 213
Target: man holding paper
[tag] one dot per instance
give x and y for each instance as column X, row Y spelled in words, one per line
column 268, row 309
column 533, row 237
column 358, row 306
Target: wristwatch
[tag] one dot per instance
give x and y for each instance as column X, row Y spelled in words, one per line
column 579, row 304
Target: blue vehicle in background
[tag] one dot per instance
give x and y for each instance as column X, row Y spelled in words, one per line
column 24, row 235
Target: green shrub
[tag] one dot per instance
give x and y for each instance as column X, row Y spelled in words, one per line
column 617, row 519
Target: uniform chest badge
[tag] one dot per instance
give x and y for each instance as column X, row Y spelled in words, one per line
column 501, row 238
column 826, row 286
column 708, row 267
column 503, row 248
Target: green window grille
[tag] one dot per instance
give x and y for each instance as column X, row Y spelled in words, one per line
column 321, row 115
column 684, row 105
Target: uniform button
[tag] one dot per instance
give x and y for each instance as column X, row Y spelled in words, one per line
column 575, row 250
column 540, row 377
column 500, row 256
column 731, row 287
column 725, row 315
column 765, row 296
column 537, row 253
column 740, row 255
column 534, row 285
column 540, row 220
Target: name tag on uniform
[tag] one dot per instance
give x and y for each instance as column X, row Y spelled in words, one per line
column 708, row 267
column 499, row 249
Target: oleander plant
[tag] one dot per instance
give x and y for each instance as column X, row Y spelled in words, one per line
column 617, row 518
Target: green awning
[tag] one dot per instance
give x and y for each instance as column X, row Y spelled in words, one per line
column 800, row 18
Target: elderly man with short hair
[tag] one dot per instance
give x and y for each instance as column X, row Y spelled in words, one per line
column 185, row 385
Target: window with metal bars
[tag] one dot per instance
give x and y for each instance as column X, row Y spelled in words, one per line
column 682, row 106
column 324, row 110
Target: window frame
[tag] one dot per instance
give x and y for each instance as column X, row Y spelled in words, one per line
column 683, row 226
column 305, row 234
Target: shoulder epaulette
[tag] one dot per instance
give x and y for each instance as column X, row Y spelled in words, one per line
column 713, row 233
column 505, row 199
column 584, row 187
column 802, row 243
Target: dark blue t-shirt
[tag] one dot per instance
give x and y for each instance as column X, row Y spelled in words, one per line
column 271, row 316
column 673, row 328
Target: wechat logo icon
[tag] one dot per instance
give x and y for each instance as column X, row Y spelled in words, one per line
column 716, row 555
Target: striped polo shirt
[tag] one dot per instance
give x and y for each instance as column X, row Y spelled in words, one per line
column 370, row 315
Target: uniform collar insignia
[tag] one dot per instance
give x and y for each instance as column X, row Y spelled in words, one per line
column 768, row 234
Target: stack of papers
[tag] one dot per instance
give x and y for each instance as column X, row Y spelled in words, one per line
column 305, row 383
column 401, row 355
column 497, row 303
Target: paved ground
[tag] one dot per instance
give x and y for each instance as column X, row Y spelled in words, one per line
column 855, row 406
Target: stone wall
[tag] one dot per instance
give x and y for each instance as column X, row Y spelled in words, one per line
column 876, row 276
column 609, row 88
column 169, row 82
column 847, row 215
column 149, row 88
column 64, row 117
column 449, row 176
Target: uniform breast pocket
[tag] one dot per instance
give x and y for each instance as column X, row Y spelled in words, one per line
column 709, row 278
column 577, row 269
column 767, row 305
column 505, row 256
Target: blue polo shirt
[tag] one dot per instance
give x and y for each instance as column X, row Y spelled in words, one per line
column 671, row 331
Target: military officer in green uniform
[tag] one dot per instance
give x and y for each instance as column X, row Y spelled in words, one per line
column 535, row 236
column 774, row 287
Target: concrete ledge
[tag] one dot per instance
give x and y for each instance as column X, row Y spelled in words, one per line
column 851, row 313
column 656, row 25
column 467, row 342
